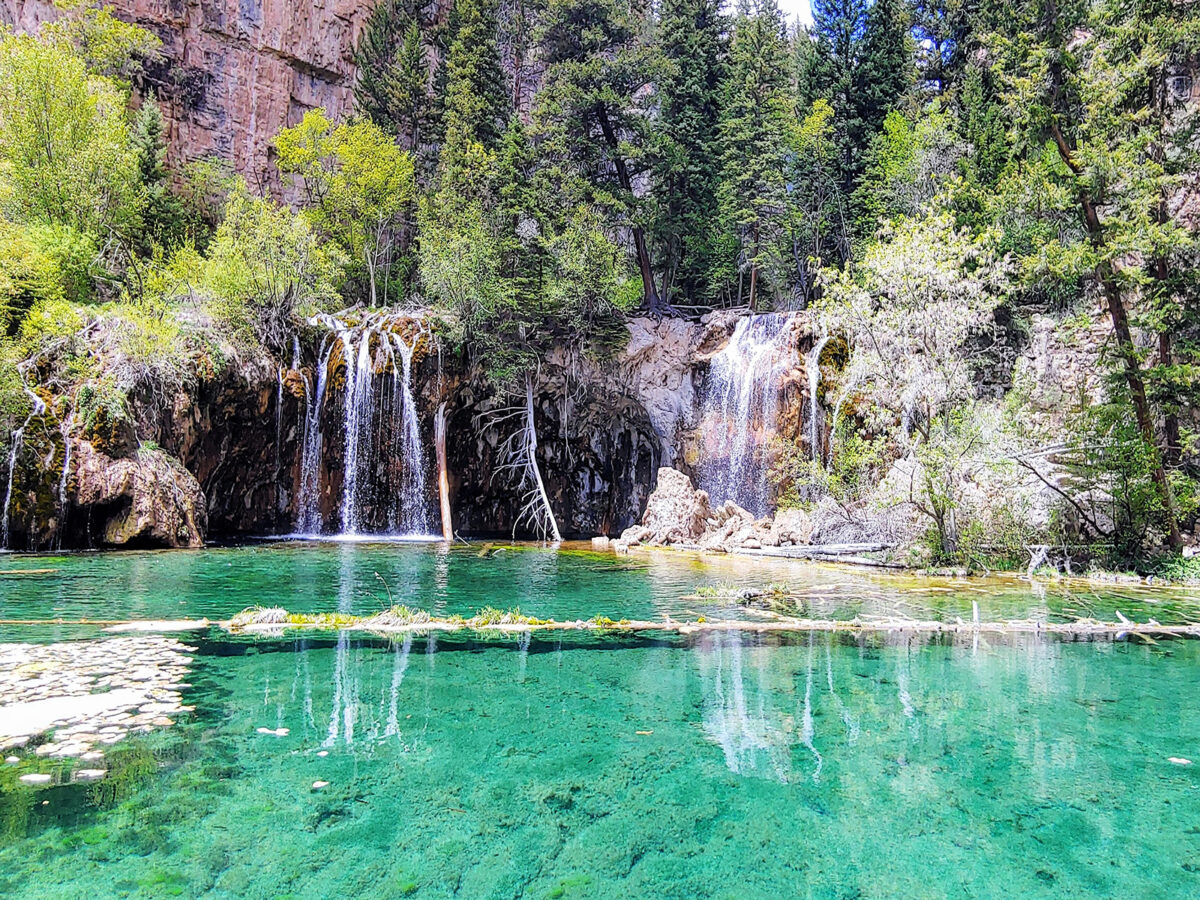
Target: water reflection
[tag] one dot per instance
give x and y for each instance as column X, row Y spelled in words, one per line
column 787, row 713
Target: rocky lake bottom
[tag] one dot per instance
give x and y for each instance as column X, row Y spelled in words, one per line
column 725, row 764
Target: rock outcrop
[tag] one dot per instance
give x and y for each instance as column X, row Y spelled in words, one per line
column 146, row 499
column 679, row 515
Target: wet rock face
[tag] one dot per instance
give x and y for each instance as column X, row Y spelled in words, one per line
column 237, row 433
column 597, row 453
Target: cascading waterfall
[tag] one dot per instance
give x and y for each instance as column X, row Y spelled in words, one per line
column 65, row 477
column 308, row 497
column 16, row 442
column 383, row 462
column 741, row 407
column 812, row 364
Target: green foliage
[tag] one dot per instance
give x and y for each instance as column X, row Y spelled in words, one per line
column 1115, row 498
column 65, row 152
column 107, row 45
column 685, row 149
column 164, row 215
column 393, row 84
column 266, row 266
column 756, row 134
column 856, row 463
column 360, row 187
column 28, row 275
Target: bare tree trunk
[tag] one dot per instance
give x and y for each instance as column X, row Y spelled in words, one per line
column 439, row 438
column 531, row 450
column 1125, row 346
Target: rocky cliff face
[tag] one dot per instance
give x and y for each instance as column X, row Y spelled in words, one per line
column 222, row 457
column 235, row 72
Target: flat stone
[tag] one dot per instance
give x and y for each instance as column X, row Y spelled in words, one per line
column 34, row 778
column 90, row 774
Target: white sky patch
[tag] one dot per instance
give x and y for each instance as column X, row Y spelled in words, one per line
column 796, row 8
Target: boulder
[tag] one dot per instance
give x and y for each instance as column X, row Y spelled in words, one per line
column 147, row 499
column 791, row 526
column 676, row 512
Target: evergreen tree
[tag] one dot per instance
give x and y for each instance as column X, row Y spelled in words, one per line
column 983, row 127
column 476, row 104
column 591, row 115
column 830, row 73
column 163, row 213
column 757, row 128
column 943, row 33
column 686, row 151
column 885, row 69
column 1088, row 92
column 393, row 84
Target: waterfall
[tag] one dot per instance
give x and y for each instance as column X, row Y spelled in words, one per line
column 308, row 497
column 17, row 441
column 740, row 410
column 65, row 477
column 383, row 462
column 812, row 364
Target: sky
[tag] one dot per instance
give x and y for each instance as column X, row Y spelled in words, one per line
column 793, row 8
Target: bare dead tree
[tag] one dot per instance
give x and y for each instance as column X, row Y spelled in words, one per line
column 519, row 451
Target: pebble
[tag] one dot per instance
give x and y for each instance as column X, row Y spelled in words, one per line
column 12, row 760
column 152, row 666
column 34, row 778
column 319, row 753
column 1179, row 760
column 317, row 785
column 277, row 732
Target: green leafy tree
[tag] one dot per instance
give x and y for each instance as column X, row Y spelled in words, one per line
column 1091, row 81
column 107, row 45
column 65, row 151
column 360, row 187
column 266, row 267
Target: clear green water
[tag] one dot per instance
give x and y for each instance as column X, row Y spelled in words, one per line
column 505, row 768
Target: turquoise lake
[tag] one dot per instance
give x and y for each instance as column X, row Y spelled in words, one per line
column 716, row 765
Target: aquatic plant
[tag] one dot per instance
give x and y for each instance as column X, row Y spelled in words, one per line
column 260, row 615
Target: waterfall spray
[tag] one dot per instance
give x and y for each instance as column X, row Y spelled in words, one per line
column 383, row 461
column 813, row 366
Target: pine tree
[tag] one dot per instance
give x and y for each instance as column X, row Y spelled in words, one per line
column 944, row 36
column 163, row 213
column 393, row 84
column 591, row 115
column 830, row 74
column 476, row 104
column 885, row 70
column 757, row 127
column 686, row 150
